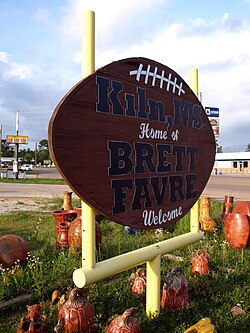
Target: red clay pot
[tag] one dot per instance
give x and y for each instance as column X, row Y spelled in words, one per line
column 236, row 230
column 75, row 232
column 242, row 207
column 12, row 248
column 175, row 294
column 64, row 216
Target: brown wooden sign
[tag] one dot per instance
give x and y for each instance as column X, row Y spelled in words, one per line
column 133, row 141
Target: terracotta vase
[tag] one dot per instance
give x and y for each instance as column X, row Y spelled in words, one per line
column 12, row 248
column 236, row 230
column 67, row 201
column 75, row 232
column 64, row 216
column 200, row 262
column 62, row 237
column 206, row 221
column 227, row 206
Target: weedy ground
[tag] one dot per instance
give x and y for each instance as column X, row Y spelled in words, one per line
column 227, row 285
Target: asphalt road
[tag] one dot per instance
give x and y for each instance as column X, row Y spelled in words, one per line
column 236, row 185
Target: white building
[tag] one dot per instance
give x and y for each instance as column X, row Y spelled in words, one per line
column 232, row 162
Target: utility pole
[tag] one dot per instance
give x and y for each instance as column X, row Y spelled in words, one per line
column 16, row 145
column 36, row 154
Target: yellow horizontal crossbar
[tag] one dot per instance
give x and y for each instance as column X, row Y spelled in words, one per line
column 85, row 276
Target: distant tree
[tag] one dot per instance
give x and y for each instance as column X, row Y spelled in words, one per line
column 7, row 149
column 248, row 147
column 27, row 155
column 43, row 151
column 43, row 144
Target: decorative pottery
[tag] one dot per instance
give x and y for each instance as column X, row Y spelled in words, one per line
column 12, row 248
column 203, row 326
column 206, row 221
column 34, row 322
column 227, row 206
column 62, row 237
column 200, row 262
column 76, row 314
column 75, row 232
column 125, row 323
column 138, row 281
column 242, row 207
column 67, row 201
column 175, row 294
column 236, row 230
column 64, row 216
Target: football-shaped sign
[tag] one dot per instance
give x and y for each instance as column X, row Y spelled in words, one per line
column 133, row 141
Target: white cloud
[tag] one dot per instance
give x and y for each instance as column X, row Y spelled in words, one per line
column 217, row 47
column 4, row 57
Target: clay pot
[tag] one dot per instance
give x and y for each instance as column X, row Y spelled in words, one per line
column 34, row 322
column 236, row 230
column 175, row 294
column 75, row 232
column 67, row 201
column 206, row 221
column 125, row 323
column 64, row 216
column 227, row 206
column 242, row 207
column 76, row 314
column 62, row 237
column 200, row 262
column 12, row 248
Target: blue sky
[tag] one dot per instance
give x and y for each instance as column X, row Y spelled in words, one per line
column 40, row 54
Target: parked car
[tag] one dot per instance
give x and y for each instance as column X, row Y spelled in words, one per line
column 4, row 164
column 26, row 167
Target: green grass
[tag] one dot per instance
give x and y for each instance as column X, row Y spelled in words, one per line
column 34, row 181
column 46, row 270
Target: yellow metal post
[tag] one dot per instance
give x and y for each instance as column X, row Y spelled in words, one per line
column 88, row 236
column 194, row 212
column 88, row 43
column 88, row 67
column 153, row 286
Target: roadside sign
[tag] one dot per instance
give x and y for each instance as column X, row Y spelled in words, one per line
column 14, row 139
column 132, row 140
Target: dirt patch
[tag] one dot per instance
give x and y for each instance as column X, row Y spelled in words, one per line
column 22, row 204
